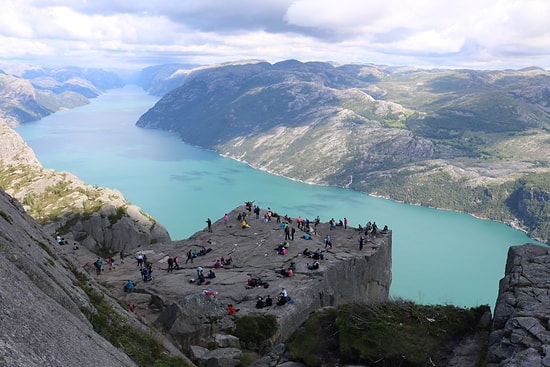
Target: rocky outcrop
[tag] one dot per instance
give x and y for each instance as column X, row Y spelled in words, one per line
column 98, row 218
column 520, row 334
column 192, row 315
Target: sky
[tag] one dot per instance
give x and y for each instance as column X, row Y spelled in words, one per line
column 132, row 34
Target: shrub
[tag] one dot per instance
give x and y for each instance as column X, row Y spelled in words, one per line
column 256, row 329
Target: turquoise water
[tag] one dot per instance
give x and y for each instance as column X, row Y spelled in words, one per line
column 439, row 257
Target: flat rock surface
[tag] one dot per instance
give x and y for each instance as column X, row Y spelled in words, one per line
column 253, row 251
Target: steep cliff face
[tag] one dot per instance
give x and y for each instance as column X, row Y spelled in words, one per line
column 520, row 335
column 100, row 219
column 42, row 322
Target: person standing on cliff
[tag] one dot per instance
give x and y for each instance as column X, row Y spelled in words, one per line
column 209, row 223
column 170, row 264
column 225, row 219
column 292, row 232
column 345, row 223
column 361, row 242
column 189, row 257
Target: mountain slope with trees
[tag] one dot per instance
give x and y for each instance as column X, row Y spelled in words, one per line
column 466, row 140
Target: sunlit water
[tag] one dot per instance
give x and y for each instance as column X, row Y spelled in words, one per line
column 439, row 257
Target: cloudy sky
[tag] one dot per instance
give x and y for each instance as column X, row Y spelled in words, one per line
column 478, row 34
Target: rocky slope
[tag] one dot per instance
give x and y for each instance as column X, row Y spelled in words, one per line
column 440, row 138
column 98, row 218
column 42, row 322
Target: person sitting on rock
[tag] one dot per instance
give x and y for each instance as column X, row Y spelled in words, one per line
column 319, row 255
column 306, row 236
column 129, row 286
column 287, row 272
column 244, row 224
column 231, row 310
column 227, row 261
column 260, row 302
column 211, row 274
column 202, row 280
column 307, row 253
column 314, row 266
column 283, row 297
column 268, row 301
column 218, row 264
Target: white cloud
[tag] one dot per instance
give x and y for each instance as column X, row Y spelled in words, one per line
column 481, row 34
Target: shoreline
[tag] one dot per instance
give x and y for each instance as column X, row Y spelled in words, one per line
column 513, row 223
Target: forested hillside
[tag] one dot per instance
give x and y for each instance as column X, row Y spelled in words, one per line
column 473, row 141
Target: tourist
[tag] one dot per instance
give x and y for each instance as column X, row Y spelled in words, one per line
column 111, row 263
column 283, row 297
column 314, row 266
column 98, row 264
column 139, row 259
column 328, row 241
column 268, row 301
column 170, row 264
column 260, row 302
column 209, row 223
column 129, row 286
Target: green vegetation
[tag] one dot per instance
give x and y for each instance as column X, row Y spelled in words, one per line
column 143, row 349
column 526, row 198
column 119, row 213
column 6, row 216
column 397, row 333
column 256, row 329
column 48, row 250
column 247, row 358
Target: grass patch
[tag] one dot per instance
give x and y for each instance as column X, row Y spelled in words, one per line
column 256, row 329
column 397, row 333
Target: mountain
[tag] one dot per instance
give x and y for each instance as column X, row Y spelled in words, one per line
column 466, row 140
column 28, row 93
column 160, row 79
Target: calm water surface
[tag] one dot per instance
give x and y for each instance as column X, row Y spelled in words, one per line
column 439, row 257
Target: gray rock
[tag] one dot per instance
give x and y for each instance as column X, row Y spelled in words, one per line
column 224, row 341
column 519, row 335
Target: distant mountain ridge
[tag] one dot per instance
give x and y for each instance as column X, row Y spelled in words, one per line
column 28, row 93
column 464, row 140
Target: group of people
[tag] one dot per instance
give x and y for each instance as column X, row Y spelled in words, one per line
column 317, row 255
